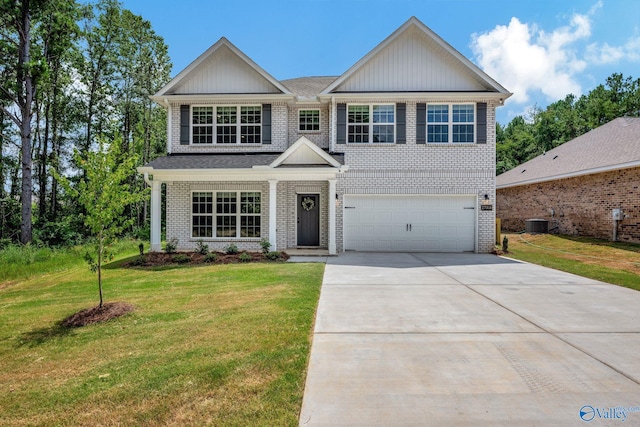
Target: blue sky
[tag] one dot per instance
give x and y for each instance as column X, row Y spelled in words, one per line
column 539, row 50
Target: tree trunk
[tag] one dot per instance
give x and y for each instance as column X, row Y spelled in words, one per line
column 100, row 251
column 25, row 82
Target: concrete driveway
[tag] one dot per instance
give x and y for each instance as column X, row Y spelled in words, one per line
column 467, row 340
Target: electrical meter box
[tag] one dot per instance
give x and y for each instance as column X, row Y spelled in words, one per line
column 617, row 214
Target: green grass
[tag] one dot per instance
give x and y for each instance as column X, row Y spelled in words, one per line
column 216, row 345
column 611, row 262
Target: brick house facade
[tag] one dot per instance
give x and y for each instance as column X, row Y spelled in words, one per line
column 605, row 165
column 398, row 153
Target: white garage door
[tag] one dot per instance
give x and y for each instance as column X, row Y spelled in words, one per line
column 409, row 223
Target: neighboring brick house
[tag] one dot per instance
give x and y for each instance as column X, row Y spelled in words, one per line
column 577, row 185
column 396, row 154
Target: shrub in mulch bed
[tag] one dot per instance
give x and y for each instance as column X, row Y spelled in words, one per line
column 97, row 314
column 158, row 259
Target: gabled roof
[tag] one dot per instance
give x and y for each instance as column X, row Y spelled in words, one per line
column 223, row 68
column 305, row 152
column 612, row 146
column 414, row 58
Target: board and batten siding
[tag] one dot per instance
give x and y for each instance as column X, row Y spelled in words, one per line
column 225, row 72
column 412, row 62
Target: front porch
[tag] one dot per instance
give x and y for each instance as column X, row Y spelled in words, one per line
column 291, row 198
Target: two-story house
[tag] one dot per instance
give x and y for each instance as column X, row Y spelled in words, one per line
column 396, row 154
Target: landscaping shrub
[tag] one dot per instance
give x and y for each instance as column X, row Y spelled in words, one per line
column 139, row 261
column 264, row 243
column 231, row 249
column 181, row 259
column 273, row 256
column 211, row 257
column 245, row 257
column 202, row 248
column 141, row 248
column 171, row 246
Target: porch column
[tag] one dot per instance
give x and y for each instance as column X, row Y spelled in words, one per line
column 156, row 212
column 273, row 210
column 332, row 216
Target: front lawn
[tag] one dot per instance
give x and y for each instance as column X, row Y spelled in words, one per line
column 216, row 345
column 611, row 262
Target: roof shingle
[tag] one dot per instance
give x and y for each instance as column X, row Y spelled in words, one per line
column 616, row 143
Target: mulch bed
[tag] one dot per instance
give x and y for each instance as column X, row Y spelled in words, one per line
column 159, row 259
column 97, row 314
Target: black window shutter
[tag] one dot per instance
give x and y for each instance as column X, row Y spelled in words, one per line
column 401, row 123
column 421, row 123
column 342, row 124
column 481, row 131
column 266, row 123
column 185, row 125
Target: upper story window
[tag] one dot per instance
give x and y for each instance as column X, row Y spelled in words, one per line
column 451, row 123
column 371, row 123
column 309, row 120
column 232, row 124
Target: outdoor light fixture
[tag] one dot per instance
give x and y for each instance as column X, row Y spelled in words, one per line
column 486, row 200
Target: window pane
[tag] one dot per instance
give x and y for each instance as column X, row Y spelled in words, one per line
column 437, row 133
column 202, row 115
column 226, row 226
column 250, row 203
column 250, row 134
column 358, row 133
column 250, row 115
column 226, row 135
column 358, row 114
column 309, row 120
column 462, row 114
column 383, row 114
column 463, row 133
column 249, row 226
column 437, row 113
column 202, row 214
column 382, row 133
column 226, row 115
column 203, row 134
column 226, row 203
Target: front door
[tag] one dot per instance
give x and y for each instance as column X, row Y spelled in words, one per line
column 308, row 219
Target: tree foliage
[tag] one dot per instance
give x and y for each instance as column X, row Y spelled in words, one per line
column 542, row 130
column 90, row 68
column 104, row 193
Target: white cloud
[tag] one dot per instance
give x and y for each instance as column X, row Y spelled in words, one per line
column 526, row 59
column 603, row 53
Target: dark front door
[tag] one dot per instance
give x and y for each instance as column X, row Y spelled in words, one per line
column 308, row 220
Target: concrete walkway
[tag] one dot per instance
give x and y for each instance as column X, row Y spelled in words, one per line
column 468, row 340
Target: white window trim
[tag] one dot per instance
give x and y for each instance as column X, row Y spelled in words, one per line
column 371, row 124
column 214, row 215
column 215, row 125
column 319, row 120
column 450, row 124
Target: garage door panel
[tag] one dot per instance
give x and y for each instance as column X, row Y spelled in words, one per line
column 409, row 223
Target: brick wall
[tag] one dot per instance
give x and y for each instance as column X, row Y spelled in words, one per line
column 320, row 138
column 577, row 206
column 411, row 168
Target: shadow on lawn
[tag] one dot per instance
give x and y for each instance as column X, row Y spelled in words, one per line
column 40, row 336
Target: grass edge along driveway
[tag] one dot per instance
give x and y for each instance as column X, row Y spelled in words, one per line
column 611, row 262
column 216, row 345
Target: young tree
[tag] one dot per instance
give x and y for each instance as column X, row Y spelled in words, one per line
column 104, row 193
